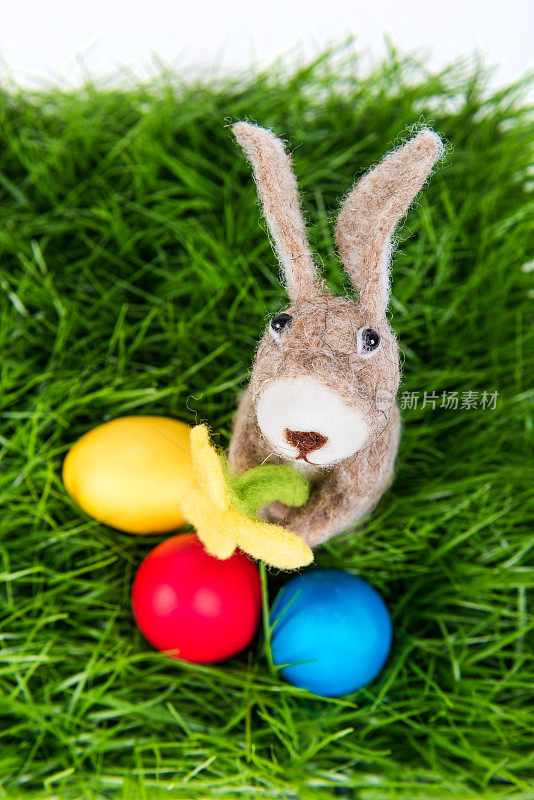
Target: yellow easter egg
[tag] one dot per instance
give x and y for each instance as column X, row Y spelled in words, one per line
column 132, row 473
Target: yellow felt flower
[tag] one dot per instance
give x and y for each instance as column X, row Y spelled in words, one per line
column 221, row 527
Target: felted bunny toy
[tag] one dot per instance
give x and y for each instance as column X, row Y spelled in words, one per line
column 322, row 390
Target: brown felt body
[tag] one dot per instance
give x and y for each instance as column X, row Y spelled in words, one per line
column 322, row 338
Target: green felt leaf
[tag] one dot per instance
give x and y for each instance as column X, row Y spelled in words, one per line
column 268, row 483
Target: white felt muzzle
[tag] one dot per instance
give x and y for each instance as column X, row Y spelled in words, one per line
column 307, row 406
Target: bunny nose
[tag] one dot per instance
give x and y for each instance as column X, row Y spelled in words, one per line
column 305, row 441
column 290, row 412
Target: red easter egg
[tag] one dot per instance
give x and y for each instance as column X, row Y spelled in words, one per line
column 202, row 608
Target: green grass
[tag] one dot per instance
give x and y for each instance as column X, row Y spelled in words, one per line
column 136, row 278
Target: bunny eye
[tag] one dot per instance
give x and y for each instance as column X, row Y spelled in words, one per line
column 368, row 341
column 279, row 324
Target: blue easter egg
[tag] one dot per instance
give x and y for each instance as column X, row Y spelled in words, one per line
column 331, row 630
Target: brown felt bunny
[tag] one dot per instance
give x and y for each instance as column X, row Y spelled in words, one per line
column 322, row 392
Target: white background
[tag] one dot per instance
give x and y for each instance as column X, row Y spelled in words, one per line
column 60, row 41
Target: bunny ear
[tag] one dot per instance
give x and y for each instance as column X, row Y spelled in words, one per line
column 373, row 208
column 277, row 189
